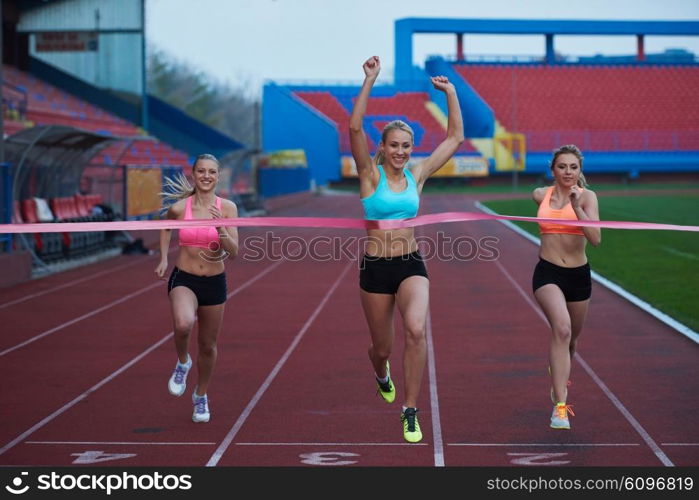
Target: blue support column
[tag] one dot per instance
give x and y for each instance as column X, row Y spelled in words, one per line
column 550, row 51
column 6, row 203
column 640, row 48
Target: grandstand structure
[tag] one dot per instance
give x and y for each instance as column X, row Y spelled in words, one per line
column 630, row 115
column 82, row 136
column 82, row 139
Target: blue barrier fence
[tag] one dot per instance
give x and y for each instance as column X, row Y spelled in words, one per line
column 6, row 203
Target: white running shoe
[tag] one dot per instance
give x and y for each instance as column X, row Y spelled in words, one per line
column 201, row 408
column 178, row 380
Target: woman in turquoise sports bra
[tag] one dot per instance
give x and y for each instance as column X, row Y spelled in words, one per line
column 197, row 284
column 392, row 271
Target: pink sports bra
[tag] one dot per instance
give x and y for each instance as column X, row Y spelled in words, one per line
column 202, row 237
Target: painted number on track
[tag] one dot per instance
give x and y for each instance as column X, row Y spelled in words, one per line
column 538, row 458
column 333, row 458
column 91, row 457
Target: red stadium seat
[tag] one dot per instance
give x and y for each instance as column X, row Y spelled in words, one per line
column 612, row 108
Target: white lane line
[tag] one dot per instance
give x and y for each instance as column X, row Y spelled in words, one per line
column 632, row 420
column 641, row 304
column 679, row 253
column 84, row 395
column 330, row 444
column 545, row 445
column 618, row 404
column 668, row 320
column 80, row 318
column 680, row 444
column 70, row 283
column 263, row 388
column 121, row 443
column 107, row 379
column 434, row 399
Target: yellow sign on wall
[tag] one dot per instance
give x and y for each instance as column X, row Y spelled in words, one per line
column 143, row 186
column 457, row 166
column 510, row 151
column 290, row 158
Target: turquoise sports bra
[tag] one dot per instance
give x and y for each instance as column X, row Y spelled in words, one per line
column 386, row 204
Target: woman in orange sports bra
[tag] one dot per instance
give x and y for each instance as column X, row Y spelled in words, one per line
column 561, row 282
column 197, row 284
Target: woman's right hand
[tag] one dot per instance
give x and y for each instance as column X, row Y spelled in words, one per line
column 372, row 67
column 160, row 270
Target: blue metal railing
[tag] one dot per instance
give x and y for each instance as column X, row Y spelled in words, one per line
column 6, row 204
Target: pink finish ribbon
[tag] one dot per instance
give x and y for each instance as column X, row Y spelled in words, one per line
column 326, row 222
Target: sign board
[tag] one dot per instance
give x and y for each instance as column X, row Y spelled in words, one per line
column 66, row 41
column 457, row 166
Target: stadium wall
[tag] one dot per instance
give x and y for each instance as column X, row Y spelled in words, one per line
column 291, row 124
column 626, row 163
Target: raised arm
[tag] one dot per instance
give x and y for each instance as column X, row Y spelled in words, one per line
column 358, row 141
column 455, row 133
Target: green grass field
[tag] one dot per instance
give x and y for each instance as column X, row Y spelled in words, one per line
column 660, row 267
column 437, row 186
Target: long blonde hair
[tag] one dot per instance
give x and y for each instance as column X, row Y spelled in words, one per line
column 178, row 187
column 574, row 150
column 394, row 125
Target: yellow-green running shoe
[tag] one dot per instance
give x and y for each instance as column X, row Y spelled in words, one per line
column 387, row 390
column 411, row 427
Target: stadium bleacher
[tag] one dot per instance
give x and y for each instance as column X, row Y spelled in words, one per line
column 410, row 107
column 28, row 102
column 599, row 107
column 48, row 105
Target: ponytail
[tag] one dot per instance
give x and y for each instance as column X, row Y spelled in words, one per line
column 582, row 182
column 175, row 189
column 378, row 157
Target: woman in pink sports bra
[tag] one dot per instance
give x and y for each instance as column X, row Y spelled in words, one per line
column 197, row 284
column 561, row 282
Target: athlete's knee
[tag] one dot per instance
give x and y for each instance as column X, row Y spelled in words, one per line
column 380, row 352
column 207, row 347
column 183, row 326
column 562, row 331
column 415, row 333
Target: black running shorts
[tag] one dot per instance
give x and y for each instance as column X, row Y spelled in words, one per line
column 574, row 282
column 209, row 290
column 385, row 274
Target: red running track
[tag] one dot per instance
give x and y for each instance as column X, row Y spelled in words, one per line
column 86, row 355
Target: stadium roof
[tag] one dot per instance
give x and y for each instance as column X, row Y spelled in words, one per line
column 404, row 29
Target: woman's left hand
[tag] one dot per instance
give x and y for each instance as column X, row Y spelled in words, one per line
column 441, row 83
column 217, row 214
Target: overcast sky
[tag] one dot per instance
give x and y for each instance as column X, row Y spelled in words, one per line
column 247, row 42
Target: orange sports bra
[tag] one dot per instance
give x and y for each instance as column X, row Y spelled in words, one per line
column 202, row 237
column 546, row 212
